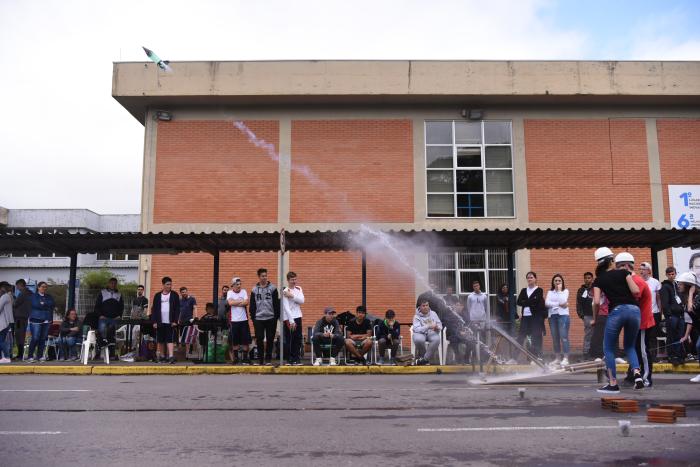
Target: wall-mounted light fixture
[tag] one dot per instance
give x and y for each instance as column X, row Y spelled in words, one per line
column 163, row 116
column 472, row 114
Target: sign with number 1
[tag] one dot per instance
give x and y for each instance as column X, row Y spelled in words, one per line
column 684, row 208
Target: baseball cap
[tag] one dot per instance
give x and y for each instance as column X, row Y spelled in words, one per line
column 645, row 265
column 235, row 279
column 329, row 310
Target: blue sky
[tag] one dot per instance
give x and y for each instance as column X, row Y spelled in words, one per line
column 60, row 119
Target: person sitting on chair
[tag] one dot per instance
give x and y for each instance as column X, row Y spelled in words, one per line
column 109, row 307
column 327, row 332
column 388, row 334
column 71, row 335
column 426, row 330
column 359, row 336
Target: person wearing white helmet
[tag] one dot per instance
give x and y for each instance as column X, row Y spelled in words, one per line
column 687, row 283
column 619, row 288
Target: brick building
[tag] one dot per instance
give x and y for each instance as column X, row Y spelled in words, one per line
column 327, row 145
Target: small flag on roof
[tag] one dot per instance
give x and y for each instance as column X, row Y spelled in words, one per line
column 162, row 64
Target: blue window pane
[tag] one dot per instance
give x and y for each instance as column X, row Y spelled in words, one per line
column 470, row 205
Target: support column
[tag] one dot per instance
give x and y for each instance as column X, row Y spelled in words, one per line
column 71, row 279
column 654, row 262
column 215, row 280
column 364, row 279
column 510, row 281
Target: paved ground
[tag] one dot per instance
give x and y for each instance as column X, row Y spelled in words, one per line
column 333, row 420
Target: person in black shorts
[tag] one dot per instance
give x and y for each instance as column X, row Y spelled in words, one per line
column 165, row 313
column 239, row 334
column 359, row 335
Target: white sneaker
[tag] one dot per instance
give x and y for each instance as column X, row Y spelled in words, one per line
column 512, row 361
column 695, row 380
column 620, row 361
column 5, row 360
column 332, row 362
column 318, row 361
column 598, row 360
column 564, row 361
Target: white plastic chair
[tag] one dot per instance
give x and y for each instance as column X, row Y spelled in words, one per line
column 88, row 347
column 441, row 356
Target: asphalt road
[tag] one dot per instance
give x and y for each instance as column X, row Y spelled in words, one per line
column 333, row 420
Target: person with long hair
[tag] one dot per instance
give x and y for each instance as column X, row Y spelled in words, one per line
column 615, row 280
column 557, row 302
column 531, row 299
column 6, row 321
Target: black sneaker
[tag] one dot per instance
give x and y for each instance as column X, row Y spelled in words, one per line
column 172, row 360
column 163, row 360
column 609, row 389
column 638, row 381
column 362, row 361
column 422, row 361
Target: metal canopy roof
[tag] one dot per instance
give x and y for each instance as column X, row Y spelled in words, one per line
column 161, row 243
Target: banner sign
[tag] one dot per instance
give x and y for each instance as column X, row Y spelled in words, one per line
column 684, row 207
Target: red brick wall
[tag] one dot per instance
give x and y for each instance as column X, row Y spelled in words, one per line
column 207, row 171
column 571, row 264
column 570, row 162
column 335, row 279
column 194, row 271
column 679, row 154
column 365, row 168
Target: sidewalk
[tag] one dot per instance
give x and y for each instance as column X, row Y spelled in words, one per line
column 188, row 368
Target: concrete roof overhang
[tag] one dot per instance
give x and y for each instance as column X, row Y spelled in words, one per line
column 138, row 86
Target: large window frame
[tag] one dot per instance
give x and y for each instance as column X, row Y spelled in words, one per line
column 116, row 257
column 494, row 269
column 485, row 171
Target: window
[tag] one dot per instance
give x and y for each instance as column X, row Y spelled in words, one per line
column 17, row 254
column 469, row 169
column 116, row 257
column 457, row 270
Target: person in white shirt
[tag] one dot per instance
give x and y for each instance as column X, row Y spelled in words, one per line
column 239, row 335
column 655, row 287
column 557, row 303
column 292, row 298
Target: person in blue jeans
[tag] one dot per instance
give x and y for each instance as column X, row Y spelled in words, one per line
column 615, row 280
column 40, row 319
column 71, row 335
column 557, row 303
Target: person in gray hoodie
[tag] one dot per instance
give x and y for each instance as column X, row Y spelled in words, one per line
column 426, row 330
column 265, row 311
column 6, row 320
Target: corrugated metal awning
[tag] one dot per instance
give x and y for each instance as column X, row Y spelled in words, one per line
column 162, row 243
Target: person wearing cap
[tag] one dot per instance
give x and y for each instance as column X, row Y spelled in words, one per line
column 327, row 333
column 654, row 332
column 389, row 335
column 239, row 330
column 615, row 280
column 359, row 335
column 292, row 299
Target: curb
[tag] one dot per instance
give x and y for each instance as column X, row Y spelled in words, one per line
column 223, row 369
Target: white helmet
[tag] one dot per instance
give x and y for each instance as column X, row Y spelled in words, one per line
column 624, row 257
column 688, row 278
column 602, row 253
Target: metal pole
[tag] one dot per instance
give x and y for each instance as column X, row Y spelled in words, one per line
column 364, row 279
column 71, row 279
column 655, row 262
column 281, row 282
column 215, row 280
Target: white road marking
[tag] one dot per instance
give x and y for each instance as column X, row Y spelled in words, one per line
column 30, row 432
column 45, row 390
column 538, row 428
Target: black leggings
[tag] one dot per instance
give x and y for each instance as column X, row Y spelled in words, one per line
column 265, row 331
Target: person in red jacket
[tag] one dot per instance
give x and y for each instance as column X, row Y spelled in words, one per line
column 647, row 322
